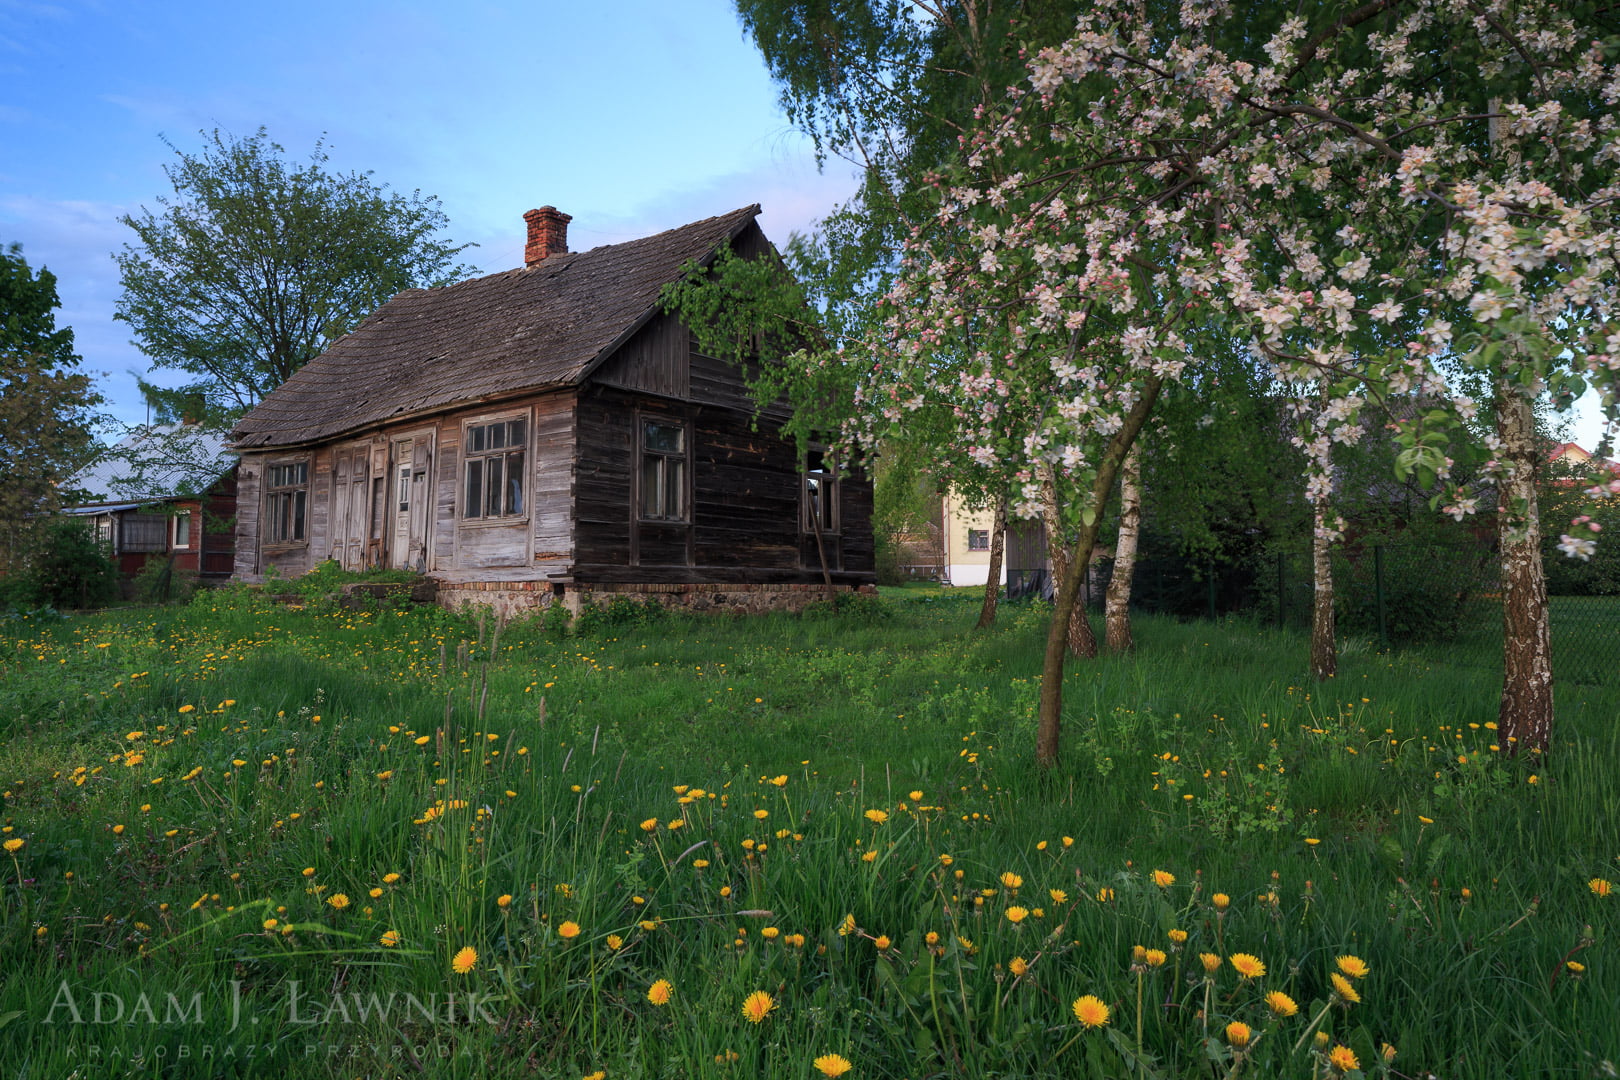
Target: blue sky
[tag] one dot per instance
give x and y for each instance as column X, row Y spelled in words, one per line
column 632, row 116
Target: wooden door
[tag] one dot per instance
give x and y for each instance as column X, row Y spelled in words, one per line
column 356, row 519
column 408, row 482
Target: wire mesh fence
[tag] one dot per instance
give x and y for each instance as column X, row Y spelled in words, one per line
column 1408, row 593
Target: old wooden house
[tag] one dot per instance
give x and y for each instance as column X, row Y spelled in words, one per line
column 544, row 434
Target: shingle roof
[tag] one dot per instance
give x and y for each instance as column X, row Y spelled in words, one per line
column 538, row 326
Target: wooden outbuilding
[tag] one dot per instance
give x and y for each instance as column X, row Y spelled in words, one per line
column 548, row 434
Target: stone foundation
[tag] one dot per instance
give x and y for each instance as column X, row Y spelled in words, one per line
column 516, row 599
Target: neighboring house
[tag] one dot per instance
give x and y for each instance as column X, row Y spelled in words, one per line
column 966, row 541
column 548, row 433
column 1578, row 459
column 131, row 500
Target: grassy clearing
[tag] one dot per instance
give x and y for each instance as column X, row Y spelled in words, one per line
column 394, row 842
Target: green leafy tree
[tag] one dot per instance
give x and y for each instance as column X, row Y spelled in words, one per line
column 46, row 405
column 255, row 264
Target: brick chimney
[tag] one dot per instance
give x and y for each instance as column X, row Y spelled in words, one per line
column 548, row 234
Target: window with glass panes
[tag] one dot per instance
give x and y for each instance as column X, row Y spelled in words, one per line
column 663, row 470
column 286, row 494
column 494, row 470
column 820, row 492
column 182, row 529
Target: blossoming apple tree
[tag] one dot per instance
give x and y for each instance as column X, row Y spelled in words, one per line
column 1378, row 199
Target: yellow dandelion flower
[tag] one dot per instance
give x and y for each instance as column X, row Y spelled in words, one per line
column 423, row 740
column 1018, row 966
column 660, row 992
column 271, row 924
column 1154, row 957
column 1342, row 987
column 1281, row 1005
column 1091, row 1011
column 1600, row 887
column 569, row 929
column 338, row 900
column 648, row 925
column 465, row 960
column 1211, row 962
column 1343, row 1058
column 1016, row 915
column 13, row 846
column 1104, row 895
column 779, row 781
column 1163, row 878
column 847, row 927
column 1353, row 966
column 615, row 942
column 1238, row 1034
column 877, row 817
column 757, row 1006
column 390, row 939
column 1221, row 901
column 309, row 871
column 832, row 1065
column 650, row 825
column 1249, row 967
column 916, row 796
column 882, row 942
column 770, row 933
column 869, row 856
column 1177, row 936
column 1058, row 896
column 1012, row 880
column 187, row 708
column 389, row 879
column 504, row 900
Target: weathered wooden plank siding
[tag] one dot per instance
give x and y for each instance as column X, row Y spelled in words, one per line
column 652, row 361
column 245, row 564
column 553, row 482
column 603, row 452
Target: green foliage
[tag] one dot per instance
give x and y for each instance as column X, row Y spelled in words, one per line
column 160, row 581
column 618, row 615
column 255, row 264
column 1431, row 582
column 46, row 406
column 70, row 568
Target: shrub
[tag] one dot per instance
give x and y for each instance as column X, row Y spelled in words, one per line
column 72, row 568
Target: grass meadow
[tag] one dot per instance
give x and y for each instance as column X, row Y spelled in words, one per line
column 243, row 838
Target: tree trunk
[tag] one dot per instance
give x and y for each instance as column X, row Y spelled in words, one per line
column 998, row 549
column 1081, row 641
column 1118, row 605
column 1525, row 718
column 1324, row 649
column 1049, row 727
